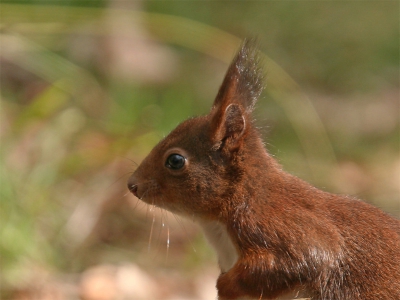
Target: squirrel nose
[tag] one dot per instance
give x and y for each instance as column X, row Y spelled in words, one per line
column 132, row 186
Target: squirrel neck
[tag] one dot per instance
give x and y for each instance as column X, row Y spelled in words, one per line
column 266, row 199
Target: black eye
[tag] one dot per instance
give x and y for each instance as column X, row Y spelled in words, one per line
column 175, row 161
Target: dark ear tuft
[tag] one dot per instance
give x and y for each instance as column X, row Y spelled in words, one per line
column 244, row 80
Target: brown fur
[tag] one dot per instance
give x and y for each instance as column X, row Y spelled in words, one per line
column 289, row 236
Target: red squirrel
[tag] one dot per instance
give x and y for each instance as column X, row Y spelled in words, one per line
column 276, row 236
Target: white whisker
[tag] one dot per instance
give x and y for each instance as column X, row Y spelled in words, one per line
column 166, row 257
column 166, row 225
column 151, row 231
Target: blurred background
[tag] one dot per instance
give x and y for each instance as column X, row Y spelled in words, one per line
column 89, row 87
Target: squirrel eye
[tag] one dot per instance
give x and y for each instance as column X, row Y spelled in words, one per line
column 175, row 161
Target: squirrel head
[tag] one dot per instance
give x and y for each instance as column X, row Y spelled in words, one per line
column 194, row 170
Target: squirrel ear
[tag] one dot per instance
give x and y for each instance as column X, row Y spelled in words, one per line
column 242, row 85
column 229, row 126
column 244, row 80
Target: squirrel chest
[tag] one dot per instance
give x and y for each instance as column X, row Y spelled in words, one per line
column 217, row 235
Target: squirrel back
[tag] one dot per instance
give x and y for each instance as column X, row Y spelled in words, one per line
column 276, row 236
